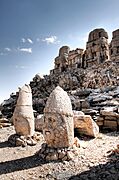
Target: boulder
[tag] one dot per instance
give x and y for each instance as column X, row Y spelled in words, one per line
column 84, row 124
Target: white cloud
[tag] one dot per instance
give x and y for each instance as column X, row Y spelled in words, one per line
column 30, row 40
column 27, row 40
column 21, row 67
column 23, row 40
column 27, row 50
column 51, row 40
column 7, row 49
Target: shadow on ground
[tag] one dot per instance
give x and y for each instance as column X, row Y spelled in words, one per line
column 107, row 171
column 4, row 144
column 20, row 164
column 109, row 132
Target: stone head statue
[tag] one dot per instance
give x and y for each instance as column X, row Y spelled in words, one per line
column 64, row 50
column 58, row 120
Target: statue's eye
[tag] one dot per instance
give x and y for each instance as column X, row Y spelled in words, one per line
column 51, row 120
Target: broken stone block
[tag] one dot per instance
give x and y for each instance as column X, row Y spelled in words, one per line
column 110, row 124
column 109, row 112
column 85, row 125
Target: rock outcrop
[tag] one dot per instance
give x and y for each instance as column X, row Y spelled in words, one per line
column 97, row 48
column 90, row 77
column 114, row 46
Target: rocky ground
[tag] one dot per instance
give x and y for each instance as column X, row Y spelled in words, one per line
column 95, row 161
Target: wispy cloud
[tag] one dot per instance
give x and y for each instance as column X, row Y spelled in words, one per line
column 30, row 41
column 7, row 49
column 27, row 50
column 21, row 67
column 27, row 40
column 51, row 40
column 2, row 54
column 23, row 40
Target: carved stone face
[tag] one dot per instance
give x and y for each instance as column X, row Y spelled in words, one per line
column 55, row 130
column 64, row 50
column 58, row 126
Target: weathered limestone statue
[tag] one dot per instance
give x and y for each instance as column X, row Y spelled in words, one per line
column 61, row 61
column 58, row 127
column 23, row 117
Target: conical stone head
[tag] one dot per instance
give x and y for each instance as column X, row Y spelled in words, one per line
column 23, row 117
column 58, row 126
column 25, row 96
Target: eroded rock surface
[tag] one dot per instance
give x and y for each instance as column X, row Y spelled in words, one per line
column 58, row 120
column 58, row 128
column 91, row 79
column 23, row 117
column 84, row 124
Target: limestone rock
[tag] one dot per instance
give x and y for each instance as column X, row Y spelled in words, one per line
column 17, row 140
column 97, row 48
column 61, row 61
column 85, row 125
column 78, row 113
column 114, row 46
column 23, row 117
column 58, row 126
column 39, row 122
column 109, row 112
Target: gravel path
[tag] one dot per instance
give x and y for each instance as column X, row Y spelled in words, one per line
column 18, row 163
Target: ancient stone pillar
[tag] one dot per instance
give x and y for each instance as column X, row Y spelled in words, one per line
column 23, row 117
column 58, row 126
column 97, row 47
column 114, row 46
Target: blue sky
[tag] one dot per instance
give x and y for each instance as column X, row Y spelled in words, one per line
column 32, row 31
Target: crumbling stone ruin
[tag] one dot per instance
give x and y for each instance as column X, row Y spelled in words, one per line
column 114, row 46
column 90, row 77
column 67, row 59
column 97, row 48
column 97, row 51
